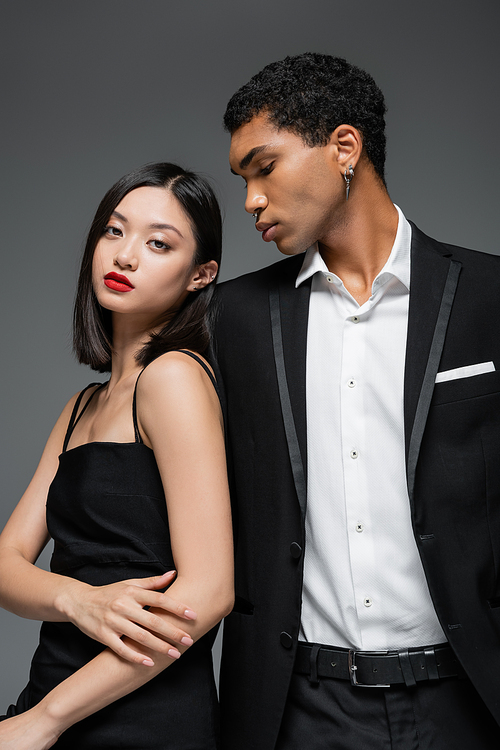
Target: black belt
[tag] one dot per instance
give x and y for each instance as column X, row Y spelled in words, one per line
column 377, row 668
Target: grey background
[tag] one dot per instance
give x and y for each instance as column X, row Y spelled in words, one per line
column 93, row 89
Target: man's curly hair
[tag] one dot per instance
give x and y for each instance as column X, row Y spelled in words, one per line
column 311, row 95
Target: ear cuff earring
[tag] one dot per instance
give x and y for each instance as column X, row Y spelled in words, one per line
column 348, row 178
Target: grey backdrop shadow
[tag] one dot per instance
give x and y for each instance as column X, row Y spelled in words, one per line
column 93, row 89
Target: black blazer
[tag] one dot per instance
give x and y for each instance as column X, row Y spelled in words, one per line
column 453, row 467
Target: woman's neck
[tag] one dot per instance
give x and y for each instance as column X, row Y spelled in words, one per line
column 129, row 337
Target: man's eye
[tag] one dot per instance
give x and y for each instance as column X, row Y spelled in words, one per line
column 268, row 169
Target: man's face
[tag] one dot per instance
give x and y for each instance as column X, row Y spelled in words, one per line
column 297, row 191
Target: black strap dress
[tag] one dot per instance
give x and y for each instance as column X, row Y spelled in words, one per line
column 107, row 515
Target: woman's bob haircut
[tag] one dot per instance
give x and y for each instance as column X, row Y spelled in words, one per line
column 189, row 328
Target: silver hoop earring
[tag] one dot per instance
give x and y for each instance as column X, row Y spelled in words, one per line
column 348, row 178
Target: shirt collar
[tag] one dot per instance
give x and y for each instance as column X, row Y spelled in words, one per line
column 398, row 262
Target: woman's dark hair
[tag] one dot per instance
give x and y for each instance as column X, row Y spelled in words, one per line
column 311, row 95
column 189, row 328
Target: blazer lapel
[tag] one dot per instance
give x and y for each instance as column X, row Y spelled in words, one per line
column 434, row 279
column 289, row 309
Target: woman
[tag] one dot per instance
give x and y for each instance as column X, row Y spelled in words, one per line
column 131, row 485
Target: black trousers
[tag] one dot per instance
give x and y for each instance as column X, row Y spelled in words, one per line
column 334, row 715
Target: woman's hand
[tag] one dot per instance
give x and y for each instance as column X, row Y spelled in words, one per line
column 28, row 731
column 107, row 613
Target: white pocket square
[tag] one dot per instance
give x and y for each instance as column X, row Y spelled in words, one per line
column 465, row 372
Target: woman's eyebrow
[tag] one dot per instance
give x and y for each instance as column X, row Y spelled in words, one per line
column 156, row 225
column 120, row 216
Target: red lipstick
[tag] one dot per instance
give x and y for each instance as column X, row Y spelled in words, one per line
column 117, row 282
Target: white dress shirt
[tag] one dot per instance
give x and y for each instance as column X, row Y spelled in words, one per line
column 364, row 586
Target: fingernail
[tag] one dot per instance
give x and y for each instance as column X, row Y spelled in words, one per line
column 148, row 662
column 187, row 641
column 173, row 653
column 169, row 573
column 190, row 614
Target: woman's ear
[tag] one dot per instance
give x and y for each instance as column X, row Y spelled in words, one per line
column 203, row 275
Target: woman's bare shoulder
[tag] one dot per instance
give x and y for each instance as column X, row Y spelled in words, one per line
column 174, row 371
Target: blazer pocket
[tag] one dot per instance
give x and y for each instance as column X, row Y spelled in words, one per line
column 468, row 371
column 460, row 389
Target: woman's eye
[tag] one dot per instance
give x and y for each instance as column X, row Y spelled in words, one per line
column 159, row 245
column 112, row 231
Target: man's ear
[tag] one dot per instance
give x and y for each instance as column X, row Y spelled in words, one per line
column 346, row 143
column 203, row 275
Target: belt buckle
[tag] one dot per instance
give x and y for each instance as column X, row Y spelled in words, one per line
column 353, row 668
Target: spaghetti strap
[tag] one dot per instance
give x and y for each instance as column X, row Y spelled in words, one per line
column 205, row 367
column 74, row 419
column 138, row 437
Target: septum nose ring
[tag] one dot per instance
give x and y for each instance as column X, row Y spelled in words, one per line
column 254, row 215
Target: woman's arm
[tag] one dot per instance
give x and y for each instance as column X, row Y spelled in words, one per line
column 180, row 418
column 105, row 613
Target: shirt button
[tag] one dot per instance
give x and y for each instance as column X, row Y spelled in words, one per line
column 368, row 602
column 355, row 319
column 351, row 383
column 354, row 453
column 359, row 528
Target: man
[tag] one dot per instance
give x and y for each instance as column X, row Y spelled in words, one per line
column 363, row 427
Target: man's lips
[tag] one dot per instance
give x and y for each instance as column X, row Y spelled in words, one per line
column 117, row 282
column 268, row 230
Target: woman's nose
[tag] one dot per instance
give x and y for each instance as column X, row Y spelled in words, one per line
column 126, row 257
